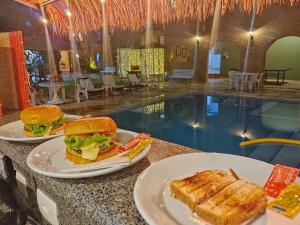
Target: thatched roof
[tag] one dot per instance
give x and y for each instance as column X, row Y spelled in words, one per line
column 131, row 14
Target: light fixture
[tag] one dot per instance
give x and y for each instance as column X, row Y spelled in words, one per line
column 251, row 34
column 77, row 55
column 197, row 38
column 196, row 125
column 68, row 12
column 243, row 134
column 102, row 1
column 44, row 20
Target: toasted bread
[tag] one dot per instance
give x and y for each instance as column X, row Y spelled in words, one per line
column 233, row 205
column 198, row 188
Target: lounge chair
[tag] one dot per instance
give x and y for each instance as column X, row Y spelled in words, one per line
column 110, row 84
column 135, row 81
column 182, row 74
column 91, row 88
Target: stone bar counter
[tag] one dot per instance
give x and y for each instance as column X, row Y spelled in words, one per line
column 104, row 199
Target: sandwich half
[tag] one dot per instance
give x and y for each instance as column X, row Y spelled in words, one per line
column 90, row 140
column 42, row 120
column 233, row 205
column 198, row 188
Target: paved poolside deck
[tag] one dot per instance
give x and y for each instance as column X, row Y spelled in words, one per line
column 103, row 105
column 100, row 105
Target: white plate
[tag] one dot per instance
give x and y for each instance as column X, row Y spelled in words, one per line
column 14, row 132
column 49, row 159
column 152, row 196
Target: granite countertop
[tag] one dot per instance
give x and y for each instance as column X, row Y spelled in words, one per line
column 99, row 200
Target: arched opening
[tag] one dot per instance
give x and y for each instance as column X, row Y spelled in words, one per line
column 223, row 57
column 284, row 54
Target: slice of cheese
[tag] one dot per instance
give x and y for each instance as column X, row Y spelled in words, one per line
column 90, row 151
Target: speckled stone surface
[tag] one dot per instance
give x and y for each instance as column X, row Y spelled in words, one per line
column 109, row 199
column 100, row 200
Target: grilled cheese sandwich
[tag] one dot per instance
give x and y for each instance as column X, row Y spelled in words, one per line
column 219, row 197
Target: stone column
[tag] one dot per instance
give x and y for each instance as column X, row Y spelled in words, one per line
column 201, row 62
column 256, row 57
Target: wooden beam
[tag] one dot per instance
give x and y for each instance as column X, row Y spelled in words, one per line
column 35, row 6
column 27, row 4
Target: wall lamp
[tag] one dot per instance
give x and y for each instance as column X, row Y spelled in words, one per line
column 251, row 34
column 44, row 20
column 68, row 13
column 197, row 38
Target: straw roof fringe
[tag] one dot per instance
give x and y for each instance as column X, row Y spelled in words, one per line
column 131, row 14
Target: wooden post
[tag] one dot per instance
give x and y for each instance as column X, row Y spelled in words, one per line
column 14, row 89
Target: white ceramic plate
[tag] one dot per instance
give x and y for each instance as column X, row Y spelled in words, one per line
column 14, row 132
column 152, row 195
column 49, row 159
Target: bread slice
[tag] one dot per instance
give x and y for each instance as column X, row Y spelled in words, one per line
column 235, row 204
column 198, row 188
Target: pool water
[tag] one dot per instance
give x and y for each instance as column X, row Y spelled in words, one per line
column 219, row 124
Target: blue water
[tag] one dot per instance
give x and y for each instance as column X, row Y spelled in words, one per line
column 219, row 124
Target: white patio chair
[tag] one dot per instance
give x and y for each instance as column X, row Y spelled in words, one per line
column 259, row 81
column 231, row 75
column 238, row 80
column 82, row 87
column 248, row 81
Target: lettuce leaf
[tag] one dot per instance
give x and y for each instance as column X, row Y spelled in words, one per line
column 39, row 130
column 76, row 143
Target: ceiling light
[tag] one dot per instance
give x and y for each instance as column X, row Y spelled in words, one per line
column 68, row 12
column 44, row 20
column 251, row 34
column 197, row 38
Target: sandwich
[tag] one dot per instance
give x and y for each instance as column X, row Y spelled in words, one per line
column 235, row 204
column 90, row 140
column 220, row 198
column 199, row 187
column 42, row 120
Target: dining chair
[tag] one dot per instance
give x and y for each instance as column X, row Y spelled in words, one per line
column 82, row 87
column 248, row 81
column 231, row 75
column 259, row 81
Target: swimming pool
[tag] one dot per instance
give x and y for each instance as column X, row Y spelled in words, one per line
column 219, row 124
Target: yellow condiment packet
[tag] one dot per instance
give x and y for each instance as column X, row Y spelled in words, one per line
column 138, row 148
column 288, row 201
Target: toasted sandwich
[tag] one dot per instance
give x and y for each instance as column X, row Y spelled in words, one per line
column 198, row 188
column 220, row 198
column 233, row 205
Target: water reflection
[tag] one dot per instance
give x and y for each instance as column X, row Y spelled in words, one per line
column 219, row 124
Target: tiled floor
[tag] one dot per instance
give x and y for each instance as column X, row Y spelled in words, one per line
column 102, row 105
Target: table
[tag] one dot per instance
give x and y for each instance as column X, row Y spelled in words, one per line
column 279, row 74
column 54, row 87
column 92, row 201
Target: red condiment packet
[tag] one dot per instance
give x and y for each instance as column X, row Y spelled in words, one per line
column 133, row 142
column 280, row 178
